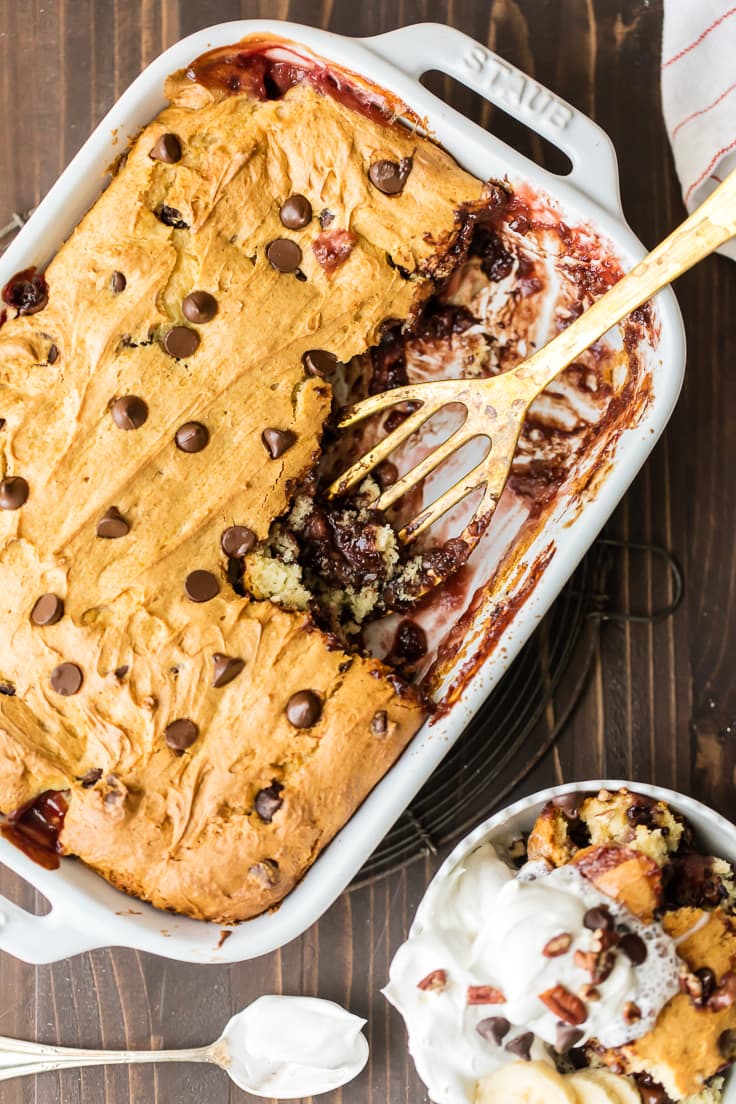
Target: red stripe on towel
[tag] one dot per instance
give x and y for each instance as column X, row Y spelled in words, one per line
column 704, row 110
column 716, row 158
column 699, row 39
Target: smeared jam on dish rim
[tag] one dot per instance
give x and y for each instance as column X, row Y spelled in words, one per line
column 34, row 827
column 266, row 68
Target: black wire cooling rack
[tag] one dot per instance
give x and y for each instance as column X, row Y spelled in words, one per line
column 523, row 716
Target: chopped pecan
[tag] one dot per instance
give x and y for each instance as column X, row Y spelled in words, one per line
column 434, row 982
column 604, row 938
column 598, row 964
column 631, row 1013
column 485, row 994
column 585, row 960
column 565, row 1005
column 557, row 945
column 725, row 994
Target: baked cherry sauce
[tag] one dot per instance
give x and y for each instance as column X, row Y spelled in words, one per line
column 267, row 70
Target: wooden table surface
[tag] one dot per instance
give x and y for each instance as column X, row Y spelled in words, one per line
column 661, row 704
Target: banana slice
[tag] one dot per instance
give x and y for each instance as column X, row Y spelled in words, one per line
column 526, row 1083
column 592, row 1091
column 617, row 1089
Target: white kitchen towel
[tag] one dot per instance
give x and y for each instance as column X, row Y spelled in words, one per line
column 699, row 94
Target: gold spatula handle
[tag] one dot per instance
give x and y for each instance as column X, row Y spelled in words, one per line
column 712, row 224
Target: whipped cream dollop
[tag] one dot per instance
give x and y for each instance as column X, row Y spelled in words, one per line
column 487, row 942
column 290, row 1047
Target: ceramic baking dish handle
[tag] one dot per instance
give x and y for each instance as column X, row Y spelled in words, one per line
column 42, row 939
column 415, row 50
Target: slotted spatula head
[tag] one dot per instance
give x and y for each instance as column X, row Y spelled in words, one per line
column 496, row 408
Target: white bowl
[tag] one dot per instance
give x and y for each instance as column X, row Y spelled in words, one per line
column 714, row 835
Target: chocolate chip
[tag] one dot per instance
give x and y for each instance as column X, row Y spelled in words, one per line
column 277, row 441
column 91, row 776
column 226, row 668
column 237, row 541
column 49, row 609
column 169, row 216
column 326, row 217
column 121, row 672
column 319, row 362
column 708, row 982
column 379, row 723
column 296, row 212
column 317, row 527
column 181, row 342
column 303, row 709
column 52, row 355
column 181, row 734
column 201, row 586
column 727, row 1044
column 27, row 291
column 112, row 525
column 129, row 412
column 284, row 255
column 567, row 1037
column 598, row 918
column 266, row 871
column 66, row 679
column 13, row 492
column 199, row 307
column 167, row 149
column 7, row 689
column 390, row 176
column 521, row 1046
column 634, row 948
column 569, row 804
column 493, row 1029
column 118, row 282
column 269, row 802
column 651, row 1091
column 192, row 437
column 386, row 474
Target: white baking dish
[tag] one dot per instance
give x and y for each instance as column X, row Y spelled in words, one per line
column 87, row 912
column 714, row 835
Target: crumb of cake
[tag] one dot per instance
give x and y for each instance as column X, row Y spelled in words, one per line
column 627, row 875
column 272, row 579
column 711, row 1094
column 621, row 819
column 688, row 1044
column 638, row 822
column 724, row 871
column 549, row 839
column 703, row 881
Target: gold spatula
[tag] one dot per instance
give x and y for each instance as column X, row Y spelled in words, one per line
column 496, row 407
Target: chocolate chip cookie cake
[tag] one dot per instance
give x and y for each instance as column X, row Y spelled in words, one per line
column 164, row 395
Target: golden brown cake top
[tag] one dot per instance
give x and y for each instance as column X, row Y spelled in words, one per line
column 159, row 410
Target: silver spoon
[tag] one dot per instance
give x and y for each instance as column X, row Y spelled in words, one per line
column 283, row 1047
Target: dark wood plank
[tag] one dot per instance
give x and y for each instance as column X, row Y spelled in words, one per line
column 661, row 703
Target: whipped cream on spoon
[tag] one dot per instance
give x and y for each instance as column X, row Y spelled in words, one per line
column 279, row 1046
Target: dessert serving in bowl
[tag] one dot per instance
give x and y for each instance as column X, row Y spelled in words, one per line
column 209, row 669
column 578, row 946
